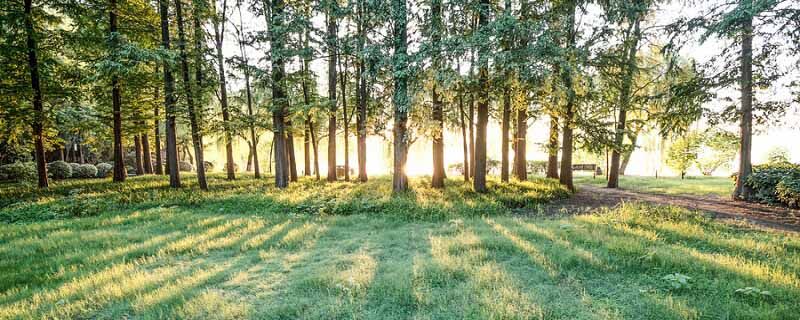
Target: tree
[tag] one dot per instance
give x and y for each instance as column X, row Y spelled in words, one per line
column 219, row 34
column 566, row 72
column 683, row 153
column 169, row 101
column 38, row 107
column 719, row 149
column 479, row 182
column 437, row 27
column 778, row 155
column 332, row 56
column 279, row 98
column 197, row 139
column 401, row 101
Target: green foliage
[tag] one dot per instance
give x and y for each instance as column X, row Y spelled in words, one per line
column 74, row 166
column 778, row 155
column 683, row 152
column 85, row 171
column 105, row 170
column 677, row 281
column 720, row 148
column 18, row 171
column 59, row 170
column 765, row 180
column 788, row 191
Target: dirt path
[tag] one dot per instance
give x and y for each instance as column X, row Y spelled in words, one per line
column 589, row 198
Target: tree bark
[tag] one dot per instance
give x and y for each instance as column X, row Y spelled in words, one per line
column 464, row 136
column 437, row 180
column 345, row 119
column 38, row 105
column 552, row 149
column 249, row 94
column 479, row 182
column 159, row 166
column 138, row 157
column 520, row 149
column 471, row 135
column 627, row 156
column 569, row 110
column 169, row 102
column 504, row 141
column 361, row 113
column 306, row 150
column 400, row 99
column 148, row 161
column 116, row 103
column 279, row 98
column 219, row 34
column 197, row 139
column 624, row 103
column 332, row 43
column 290, row 151
column 743, row 191
column 315, row 146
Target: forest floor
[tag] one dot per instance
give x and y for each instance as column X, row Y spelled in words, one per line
column 245, row 250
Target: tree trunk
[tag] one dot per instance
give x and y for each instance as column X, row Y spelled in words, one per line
column 569, row 110
column 306, row 150
column 279, row 98
column 400, row 99
column 219, row 34
column 38, row 105
column 332, row 43
column 624, row 103
column 249, row 94
column 291, row 154
column 464, row 136
column 345, row 119
column 197, row 139
column 627, row 156
column 520, row 149
column 315, row 147
column 138, row 157
column 505, row 128
column 169, row 102
column 471, row 135
column 249, row 166
column 742, row 191
column 552, row 149
column 437, row 180
column 479, row 182
column 361, row 113
column 159, row 166
column 148, row 161
column 116, row 102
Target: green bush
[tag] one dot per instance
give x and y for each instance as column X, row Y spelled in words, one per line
column 105, row 170
column 59, row 170
column 185, row 166
column 85, row 171
column 788, row 192
column 765, row 179
column 18, row 171
column 74, row 167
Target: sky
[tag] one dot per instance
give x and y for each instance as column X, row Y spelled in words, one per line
column 420, row 163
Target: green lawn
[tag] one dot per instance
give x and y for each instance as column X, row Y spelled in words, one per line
column 341, row 251
column 700, row 186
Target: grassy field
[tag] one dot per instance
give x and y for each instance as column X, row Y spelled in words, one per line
column 350, row 251
column 699, row 186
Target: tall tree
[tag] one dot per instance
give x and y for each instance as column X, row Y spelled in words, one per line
column 332, row 43
column 552, row 148
column 219, row 35
column 479, row 182
column 116, row 98
column 566, row 75
column 197, row 141
column 279, row 98
column 169, row 101
column 249, row 95
column 400, row 99
column 437, row 28
column 361, row 103
column 38, row 106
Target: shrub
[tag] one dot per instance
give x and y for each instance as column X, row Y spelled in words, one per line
column 18, row 171
column 74, row 167
column 105, row 170
column 788, row 192
column 86, row 171
column 765, row 179
column 185, row 166
column 59, row 170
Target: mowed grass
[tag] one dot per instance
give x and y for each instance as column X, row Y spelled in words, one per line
column 698, row 186
column 242, row 252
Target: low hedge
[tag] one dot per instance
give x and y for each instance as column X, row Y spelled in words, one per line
column 59, row 170
column 777, row 183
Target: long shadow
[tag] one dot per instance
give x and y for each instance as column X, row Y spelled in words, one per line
column 585, row 273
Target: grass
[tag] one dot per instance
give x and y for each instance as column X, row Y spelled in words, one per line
column 698, row 186
column 241, row 251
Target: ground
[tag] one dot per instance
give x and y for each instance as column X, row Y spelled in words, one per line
column 698, row 186
column 344, row 250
